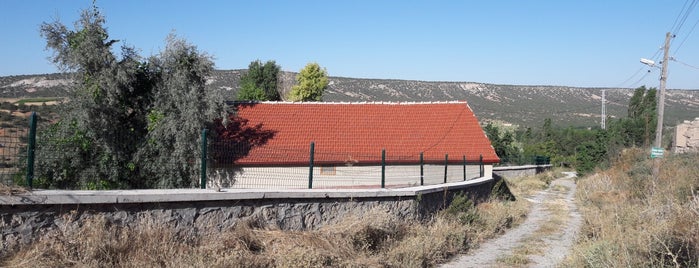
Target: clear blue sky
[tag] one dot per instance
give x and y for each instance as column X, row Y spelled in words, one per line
column 595, row 43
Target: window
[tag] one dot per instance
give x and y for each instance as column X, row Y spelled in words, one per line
column 327, row 170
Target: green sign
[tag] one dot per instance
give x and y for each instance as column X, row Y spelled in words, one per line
column 656, row 152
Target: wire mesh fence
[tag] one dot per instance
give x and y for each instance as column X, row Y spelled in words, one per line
column 285, row 168
column 54, row 161
column 13, row 145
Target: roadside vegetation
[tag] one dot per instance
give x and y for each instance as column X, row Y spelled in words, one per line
column 634, row 220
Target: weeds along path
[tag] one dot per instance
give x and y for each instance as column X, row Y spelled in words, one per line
column 543, row 240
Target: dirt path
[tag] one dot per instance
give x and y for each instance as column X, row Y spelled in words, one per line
column 543, row 240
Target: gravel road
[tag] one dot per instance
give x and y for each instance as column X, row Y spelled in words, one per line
column 542, row 240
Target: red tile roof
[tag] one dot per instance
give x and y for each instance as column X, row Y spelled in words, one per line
column 355, row 133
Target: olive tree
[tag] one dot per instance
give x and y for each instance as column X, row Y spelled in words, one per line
column 128, row 119
column 91, row 146
column 180, row 109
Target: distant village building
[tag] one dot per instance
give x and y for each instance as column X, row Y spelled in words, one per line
column 273, row 148
column 686, row 137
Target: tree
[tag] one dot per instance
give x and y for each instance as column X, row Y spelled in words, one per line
column 87, row 149
column 260, row 82
column 181, row 108
column 128, row 119
column 311, row 81
column 591, row 153
column 638, row 128
column 504, row 143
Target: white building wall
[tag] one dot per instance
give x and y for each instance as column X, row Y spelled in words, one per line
column 341, row 176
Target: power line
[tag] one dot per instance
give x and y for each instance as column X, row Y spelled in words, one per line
column 685, row 64
column 654, row 57
column 686, row 36
column 679, row 15
column 643, row 77
column 684, row 16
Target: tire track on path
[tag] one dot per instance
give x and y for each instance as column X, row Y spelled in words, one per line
column 542, row 240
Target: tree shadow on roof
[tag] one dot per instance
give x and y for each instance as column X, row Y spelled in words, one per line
column 236, row 139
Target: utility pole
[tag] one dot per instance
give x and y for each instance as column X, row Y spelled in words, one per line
column 661, row 100
column 661, row 108
column 604, row 109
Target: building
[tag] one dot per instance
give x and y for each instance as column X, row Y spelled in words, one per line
column 686, row 138
column 425, row 142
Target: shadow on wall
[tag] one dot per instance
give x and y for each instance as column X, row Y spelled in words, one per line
column 501, row 189
column 232, row 142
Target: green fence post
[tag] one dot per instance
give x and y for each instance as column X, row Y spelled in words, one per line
column 482, row 171
column 422, row 170
column 446, row 165
column 383, row 168
column 310, row 165
column 30, row 150
column 464, row 167
column 202, row 183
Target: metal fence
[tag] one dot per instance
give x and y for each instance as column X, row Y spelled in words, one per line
column 24, row 161
column 13, row 150
column 311, row 169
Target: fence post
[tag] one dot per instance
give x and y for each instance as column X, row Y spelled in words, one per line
column 422, row 170
column 30, row 150
column 464, row 167
column 482, row 171
column 446, row 165
column 383, row 168
column 310, row 165
column 202, row 183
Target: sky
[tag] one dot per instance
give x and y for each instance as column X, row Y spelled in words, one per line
column 595, row 43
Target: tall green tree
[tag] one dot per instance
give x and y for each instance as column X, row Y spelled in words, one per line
column 107, row 92
column 638, row 128
column 180, row 109
column 311, row 81
column 260, row 82
column 590, row 153
column 128, row 119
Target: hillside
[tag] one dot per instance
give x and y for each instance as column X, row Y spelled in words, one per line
column 518, row 104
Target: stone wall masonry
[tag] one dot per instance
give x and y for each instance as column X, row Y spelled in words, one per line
column 25, row 217
column 686, row 138
column 519, row 171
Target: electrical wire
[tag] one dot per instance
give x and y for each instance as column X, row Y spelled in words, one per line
column 685, row 37
column 680, row 20
column 679, row 15
column 685, row 64
column 654, row 57
column 641, row 79
column 684, row 16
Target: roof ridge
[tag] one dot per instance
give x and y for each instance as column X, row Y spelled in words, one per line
column 353, row 103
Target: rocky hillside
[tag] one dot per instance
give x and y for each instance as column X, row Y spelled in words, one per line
column 522, row 105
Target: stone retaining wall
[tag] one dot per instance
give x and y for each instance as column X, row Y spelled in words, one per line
column 27, row 216
column 519, row 171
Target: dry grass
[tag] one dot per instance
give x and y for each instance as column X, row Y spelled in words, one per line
column 530, row 185
column 376, row 239
column 11, row 190
column 634, row 220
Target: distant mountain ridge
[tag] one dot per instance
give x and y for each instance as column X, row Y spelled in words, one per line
column 517, row 104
